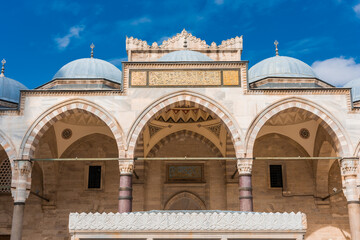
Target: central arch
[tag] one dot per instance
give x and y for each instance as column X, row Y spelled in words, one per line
column 201, row 102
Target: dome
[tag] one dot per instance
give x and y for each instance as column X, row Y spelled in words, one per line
column 355, row 89
column 10, row 89
column 89, row 68
column 280, row 66
column 184, row 55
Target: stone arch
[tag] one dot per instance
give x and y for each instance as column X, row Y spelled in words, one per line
column 8, row 146
column 186, row 133
column 47, row 119
column 357, row 151
column 329, row 123
column 185, row 195
column 201, row 102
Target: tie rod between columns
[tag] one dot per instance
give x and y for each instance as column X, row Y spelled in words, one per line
column 178, row 158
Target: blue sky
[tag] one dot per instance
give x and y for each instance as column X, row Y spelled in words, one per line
column 39, row 37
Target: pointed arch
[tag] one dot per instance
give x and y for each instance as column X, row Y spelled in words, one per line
column 58, row 112
column 186, row 133
column 329, row 123
column 8, row 146
column 201, row 102
column 185, row 195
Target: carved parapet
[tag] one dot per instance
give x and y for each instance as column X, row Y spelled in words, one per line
column 236, row 43
column 244, row 166
column 187, row 221
column 126, row 167
column 177, row 43
column 134, row 43
column 349, row 171
column 21, row 180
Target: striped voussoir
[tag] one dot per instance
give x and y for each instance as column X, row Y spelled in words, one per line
column 183, row 99
column 46, row 122
column 8, row 147
column 326, row 122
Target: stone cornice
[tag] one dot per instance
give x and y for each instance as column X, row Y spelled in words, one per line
column 183, row 65
column 183, row 221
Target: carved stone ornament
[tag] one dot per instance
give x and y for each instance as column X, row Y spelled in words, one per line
column 184, row 221
column 244, row 166
column 126, row 166
column 349, row 166
column 21, row 180
column 177, row 42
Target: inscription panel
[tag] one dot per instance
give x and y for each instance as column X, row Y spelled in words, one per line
column 231, row 77
column 138, row 78
column 185, row 172
column 185, row 78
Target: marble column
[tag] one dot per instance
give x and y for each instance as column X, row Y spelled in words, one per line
column 244, row 167
column 20, row 190
column 126, row 168
column 349, row 170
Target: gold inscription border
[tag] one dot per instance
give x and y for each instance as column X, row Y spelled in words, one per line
column 184, row 86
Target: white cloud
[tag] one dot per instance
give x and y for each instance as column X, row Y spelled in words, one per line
column 63, row 42
column 357, row 9
column 337, row 71
column 140, row 21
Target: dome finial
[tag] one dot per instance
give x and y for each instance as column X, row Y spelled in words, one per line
column 3, row 67
column 92, row 46
column 276, row 43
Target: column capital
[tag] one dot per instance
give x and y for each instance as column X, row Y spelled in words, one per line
column 21, row 180
column 126, row 167
column 244, row 166
column 349, row 166
column 349, row 171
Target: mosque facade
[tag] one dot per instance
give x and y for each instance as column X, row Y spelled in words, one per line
column 185, row 142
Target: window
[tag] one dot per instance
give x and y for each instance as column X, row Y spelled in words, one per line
column 94, row 179
column 276, row 177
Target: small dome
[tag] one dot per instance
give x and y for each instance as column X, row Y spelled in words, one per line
column 10, row 89
column 355, row 89
column 185, row 55
column 280, row 66
column 89, row 68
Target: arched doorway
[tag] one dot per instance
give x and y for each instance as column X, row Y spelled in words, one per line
column 297, row 129
column 179, row 128
column 75, row 130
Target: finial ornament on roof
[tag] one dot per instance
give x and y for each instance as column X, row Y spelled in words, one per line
column 3, row 67
column 92, row 46
column 276, row 47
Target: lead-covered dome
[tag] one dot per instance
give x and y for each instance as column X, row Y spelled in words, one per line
column 89, row 68
column 281, row 67
column 10, row 89
column 185, row 55
column 355, row 89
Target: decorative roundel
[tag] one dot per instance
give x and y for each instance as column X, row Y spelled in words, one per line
column 66, row 133
column 304, row 133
